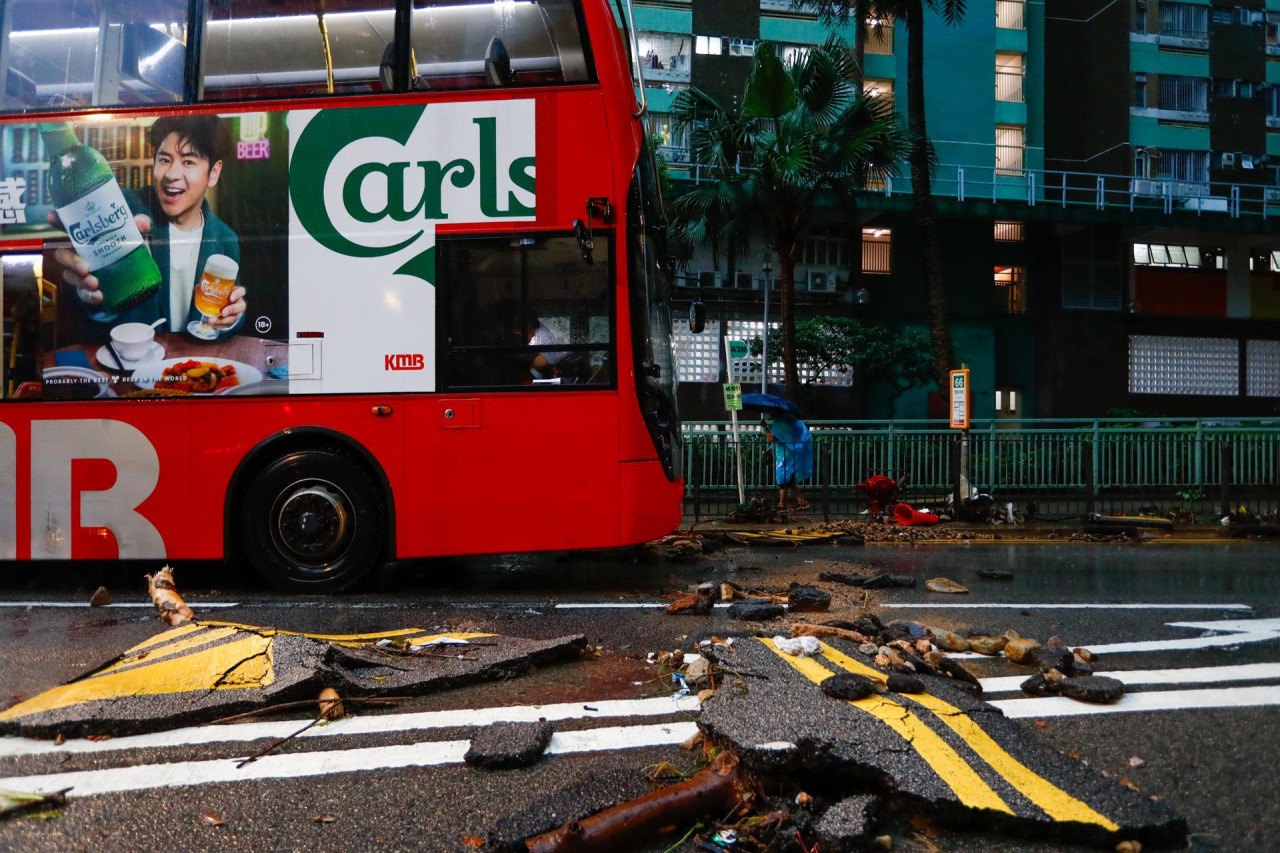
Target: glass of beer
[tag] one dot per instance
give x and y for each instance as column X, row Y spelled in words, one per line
column 212, row 293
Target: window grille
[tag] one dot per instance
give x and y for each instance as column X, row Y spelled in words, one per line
column 1008, row 231
column 1010, row 148
column 1010, row 14
column 1185, row 94
column 1184, row 20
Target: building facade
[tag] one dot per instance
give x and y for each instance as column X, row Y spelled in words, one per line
column 1101, row 249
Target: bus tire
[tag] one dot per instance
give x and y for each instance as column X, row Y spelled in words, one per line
column 313, row 521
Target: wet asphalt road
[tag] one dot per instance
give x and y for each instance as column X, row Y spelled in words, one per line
column 1216, row 767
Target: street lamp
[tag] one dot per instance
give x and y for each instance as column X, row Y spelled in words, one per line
column 767, row 267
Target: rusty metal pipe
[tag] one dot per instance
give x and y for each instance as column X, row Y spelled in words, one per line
column 713, row 790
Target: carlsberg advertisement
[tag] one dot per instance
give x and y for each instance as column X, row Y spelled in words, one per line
column 254, row 253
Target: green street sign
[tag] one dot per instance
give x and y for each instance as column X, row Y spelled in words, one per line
column 738, row 349
column 733, row 396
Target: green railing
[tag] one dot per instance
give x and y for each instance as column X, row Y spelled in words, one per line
column 1113, row 462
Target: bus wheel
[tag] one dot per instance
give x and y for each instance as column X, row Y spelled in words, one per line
column 313, row 522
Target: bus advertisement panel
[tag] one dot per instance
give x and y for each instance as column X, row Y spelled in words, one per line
column 254, row 253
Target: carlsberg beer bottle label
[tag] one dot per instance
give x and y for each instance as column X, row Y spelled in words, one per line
column 96, row 217
column 101, row 227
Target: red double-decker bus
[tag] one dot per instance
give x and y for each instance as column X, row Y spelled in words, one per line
column 321, row 283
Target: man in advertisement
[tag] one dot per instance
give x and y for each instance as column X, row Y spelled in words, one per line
column 184, row 232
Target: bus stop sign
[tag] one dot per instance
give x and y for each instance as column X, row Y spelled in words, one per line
column 733, row 396
column 959, row 399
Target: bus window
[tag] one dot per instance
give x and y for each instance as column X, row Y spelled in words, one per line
column 28, row 308
column 268, row 49
column 73, row 54
column 526, row 311
column 486, row 43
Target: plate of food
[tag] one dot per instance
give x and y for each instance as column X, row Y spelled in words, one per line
column 74, row 383
column 196, row 377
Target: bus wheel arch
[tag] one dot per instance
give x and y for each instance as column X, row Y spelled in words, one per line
column 310, row 510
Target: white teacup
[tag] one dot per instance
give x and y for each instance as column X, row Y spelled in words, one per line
column 132, row 340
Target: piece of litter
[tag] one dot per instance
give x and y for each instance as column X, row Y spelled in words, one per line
column 798, row 646
column 589, row 708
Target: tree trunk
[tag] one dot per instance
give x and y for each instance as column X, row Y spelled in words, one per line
column 860, row 11
column 787, row 270
column 922, row 197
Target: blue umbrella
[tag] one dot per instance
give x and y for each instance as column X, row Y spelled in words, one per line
column 770, row 403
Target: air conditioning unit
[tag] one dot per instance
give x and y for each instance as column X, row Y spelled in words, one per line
column 1144, row 186
column 709, row 278
column 1228, row 159
column 744, row 281
column 1182, row 189
column 821, row 281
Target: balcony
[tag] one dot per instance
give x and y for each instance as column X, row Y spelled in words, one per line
column 1178, row 116
column 1009, row 86
column 1009, row 181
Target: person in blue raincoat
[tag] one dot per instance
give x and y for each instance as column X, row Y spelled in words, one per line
column 793, row 456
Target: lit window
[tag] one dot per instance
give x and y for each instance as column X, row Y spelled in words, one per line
column 1008, row 231
column 1011, row 291
column 1158, row 255
column 877, row 244
column 1010, row 147
column 1262, row 365
column 1009, row 77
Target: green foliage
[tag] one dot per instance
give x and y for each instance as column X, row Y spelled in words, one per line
column 1190, row 494
column 872, row 351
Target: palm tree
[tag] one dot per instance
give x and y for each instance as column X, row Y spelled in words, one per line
column 805, row 129
column 911, row 13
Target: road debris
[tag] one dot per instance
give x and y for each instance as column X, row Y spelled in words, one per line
column 847, row 825
column 802, row 598
column 945, row 585
column 14, row 803
column 995, row 575
column 711, row 792
column 801, row 646
column 755, row 611
column 173, row 610
column 848, row 686
column 206, row 670
column 506, row 745
column 212, row 819
column 331, row 705
column 100, row 598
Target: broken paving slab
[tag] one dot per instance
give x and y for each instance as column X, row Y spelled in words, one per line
column 945, row 752
column 207, row 670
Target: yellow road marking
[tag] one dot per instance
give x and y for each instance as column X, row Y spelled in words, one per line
column 356, row 638
column 131, row 658
column 937, row 753
column 167, row 636
column 1057, row 803
column 244, row 663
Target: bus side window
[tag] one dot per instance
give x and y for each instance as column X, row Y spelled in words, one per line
column 490, row 43
column 526, row 311
column 54, row 47
column 265, row 50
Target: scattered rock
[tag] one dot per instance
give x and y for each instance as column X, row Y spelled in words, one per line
column 923, row 647
column 945, row 585
column 502, row 746
column 1135, row 762
column 846, row 826
column 902, row 630
column 962, row 676
column 847, row 685
column 869, row 624
column 884, row 842
column 1056, row 642
column 101, row 598
column 868, row 649
column 807, row 598
column 1084, row 655
column 987, row 645
column 901, row 682
column 1039, row 685
column 948, row 640
column 1049, row 658
column 1129, row 847
column 889, row 582
column 755, row 611
column 995, row 575
column 1098, row 689
column 698, row 671
column 1018, row 649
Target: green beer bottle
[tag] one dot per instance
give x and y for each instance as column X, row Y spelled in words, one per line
column 98, row 221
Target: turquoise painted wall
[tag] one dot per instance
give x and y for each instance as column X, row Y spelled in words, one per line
column 1146, row 131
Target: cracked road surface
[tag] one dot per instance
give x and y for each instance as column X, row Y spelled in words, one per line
column 955, row 756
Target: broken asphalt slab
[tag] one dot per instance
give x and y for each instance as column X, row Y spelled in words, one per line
column 208, row 670
column 945, row 752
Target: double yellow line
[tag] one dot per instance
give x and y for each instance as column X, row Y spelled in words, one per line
column 964, row 781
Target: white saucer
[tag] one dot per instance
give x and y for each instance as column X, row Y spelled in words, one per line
column 155, row 353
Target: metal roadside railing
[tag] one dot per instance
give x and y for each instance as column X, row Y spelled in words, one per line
column 1063, row 467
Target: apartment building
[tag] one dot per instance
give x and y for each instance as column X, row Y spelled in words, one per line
column 1101, row 250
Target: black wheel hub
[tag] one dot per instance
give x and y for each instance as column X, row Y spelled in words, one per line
column 314, row 522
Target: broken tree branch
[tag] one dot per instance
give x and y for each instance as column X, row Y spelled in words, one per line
column 712, row 790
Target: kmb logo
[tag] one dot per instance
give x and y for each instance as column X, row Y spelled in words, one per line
column 404, row 361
